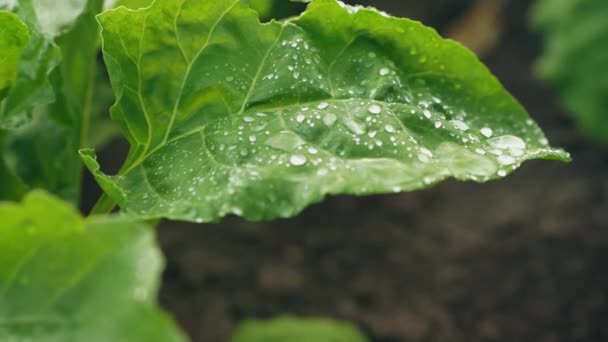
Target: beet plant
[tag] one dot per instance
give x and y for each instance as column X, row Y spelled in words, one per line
column 225, row 115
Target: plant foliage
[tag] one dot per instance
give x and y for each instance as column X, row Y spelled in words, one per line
column 226, row 115
column 574, row 59
column 297, row 330
column 65, row 278
column 47, row 112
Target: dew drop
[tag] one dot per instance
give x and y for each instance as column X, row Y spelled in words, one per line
column 229, row 79
column 389, row 128
column 502, row 173
column 252, row 138
column 426, row 151
column 323, row 105
column 312, row 150
column 424, row 158
column 329, row 119
column 516, row 152
column 300, row 118
column 427, row 113
column 248, row 119
column 354, row 127
column 438, row 124
column 384, row 71
column 506, row 160
column 374, row 109
column 298, row 160
column 486, row 132
column 507, row 142
column 460, row 125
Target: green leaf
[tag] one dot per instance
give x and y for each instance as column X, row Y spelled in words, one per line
column 297, row 330
column 12, row 187
column 574, row 59
column 227, row 115
column 42, row 149
column 14, row 36
column 132, row 4
column 65, row 278
column 40, row 154
column 263, row 7
column 40, row 57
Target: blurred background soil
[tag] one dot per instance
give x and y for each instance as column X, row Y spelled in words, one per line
column 521, row 259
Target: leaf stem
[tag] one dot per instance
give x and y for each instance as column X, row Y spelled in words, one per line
column 85, row 122
column 104, row 205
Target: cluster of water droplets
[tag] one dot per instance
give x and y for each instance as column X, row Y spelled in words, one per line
column 293, row 65
column 374, row 113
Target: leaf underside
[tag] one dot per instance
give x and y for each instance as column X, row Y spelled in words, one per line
column 574, row 59
column 64, row 278
column 226, row 115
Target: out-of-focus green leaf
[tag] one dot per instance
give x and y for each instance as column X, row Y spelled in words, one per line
column 297, row 330
column 12, row 188
column 132, row 4
column 227, row 115
column 32, row 88
column 64, row 278
column 14, row 36
column 102, row 129
column 575, row 57
column 263, row 7
column 60, row 62
column 40, row 154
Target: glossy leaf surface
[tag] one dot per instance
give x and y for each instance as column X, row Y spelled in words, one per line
column 297, row 330
column 64, row 278
column 227, row 115
column 574, row 59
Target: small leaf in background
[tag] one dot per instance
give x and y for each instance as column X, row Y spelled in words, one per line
column 263, row 7
column 12, row 188
column 132, row 4
column 59, row 64
column 14, row 36
column 297, row 330
column 229, row 116
column 32, row 88
column 574, row 59
column 65, row 278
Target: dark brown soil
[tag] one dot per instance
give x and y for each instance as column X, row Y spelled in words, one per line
column 520, row 259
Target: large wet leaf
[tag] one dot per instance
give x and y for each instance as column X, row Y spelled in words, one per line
column 64, row 278
column 574, row 59
column 297, row 330
column 60, row 63
column 227, row 115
